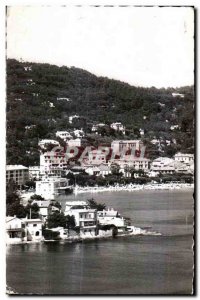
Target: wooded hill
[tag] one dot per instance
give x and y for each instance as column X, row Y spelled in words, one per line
column 33, row 99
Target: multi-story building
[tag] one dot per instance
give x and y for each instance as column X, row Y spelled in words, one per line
column 85, row 218
column 50, row 187
column 18, row 173
column 120, row 146
column 15, row 230
column 19, row 230
column 112, row 217
column 138, row 163
column 33, row 229
column 98, row 156
column 53, row 163
column 183, row 157
column 163, row 165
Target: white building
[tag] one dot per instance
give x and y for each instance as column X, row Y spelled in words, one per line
column 34, row 172
column 137, row 163
column 45, row 142
column 78, row 133
column 71, row 118
column 18, row 173
column 118, row 126
column 141, row 132
column 178, row 95
column 50, row 187
column 53, row 163
column 112, row 217
column 64, row 135
column 92, row 170
column 173, row 127
column 74, row 142
column 20, row 230
column 184, row 157
column 97, row 156
column 160, row 162
column 46, row 207
column 15, row 230
column 33, row 229
column 95, row 127
column 63, row 99
column 85, row 218
column 119, row 146
column 163, row 165
column 100, row 170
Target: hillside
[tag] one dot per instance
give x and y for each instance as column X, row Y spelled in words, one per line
column 33, row 99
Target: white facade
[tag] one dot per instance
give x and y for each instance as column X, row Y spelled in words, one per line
column 178, row 95
column 74, row 142
column 85, row 218
column 184, row 157
column 45, row 142
column 118, row 126
column 95, row 127
column 120, row 146
column 34, row 172
column 111, row 217
column 141, row 131
column 18, row 173
column 160, row 162
column 78, row 133
column 64, row 135
column 50, row 187
column 100, row 170
column 73, row 117
column 15, row 230
column 136, row 163
column 52, row 163
column 97, row 156
column 20, row 230
column 163, row 165
column 173, row 127
column 33, row 228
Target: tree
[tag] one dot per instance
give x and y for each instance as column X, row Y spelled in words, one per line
column 30, row 184
column 94, row 205
column 12, row 194
column 58, row 219
column 16, row 209
column 32, row 211
column 56, row 204
column 36, row 197
column 115, row 170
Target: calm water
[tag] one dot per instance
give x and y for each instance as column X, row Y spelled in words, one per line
column 129, row 265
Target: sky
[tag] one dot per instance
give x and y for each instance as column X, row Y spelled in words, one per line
column 143, row 46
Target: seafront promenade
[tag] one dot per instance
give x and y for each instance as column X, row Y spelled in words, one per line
column 133, row 187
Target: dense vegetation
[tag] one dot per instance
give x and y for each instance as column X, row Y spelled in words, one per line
column 32, row 92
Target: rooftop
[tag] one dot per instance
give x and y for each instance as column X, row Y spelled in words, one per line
column 15, row 167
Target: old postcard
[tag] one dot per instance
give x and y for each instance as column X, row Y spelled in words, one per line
column 100, row 150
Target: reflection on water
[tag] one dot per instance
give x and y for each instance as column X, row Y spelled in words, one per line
column 125, row 265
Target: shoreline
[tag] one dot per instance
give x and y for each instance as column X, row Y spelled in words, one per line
column 135, row 232
column 133, row 187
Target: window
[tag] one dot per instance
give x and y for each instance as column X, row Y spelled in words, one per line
column 37, row 233
column 34, row 225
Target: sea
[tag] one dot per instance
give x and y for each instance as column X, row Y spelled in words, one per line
column 136, row 265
